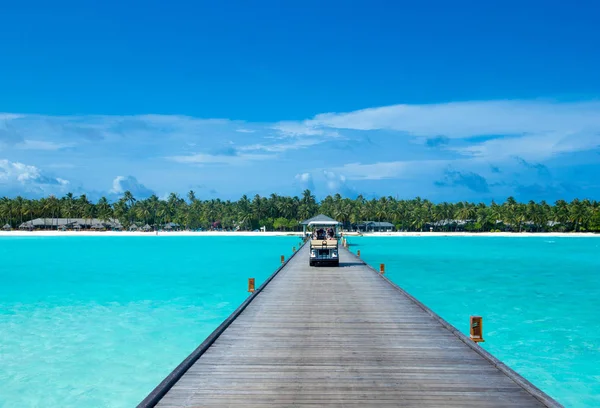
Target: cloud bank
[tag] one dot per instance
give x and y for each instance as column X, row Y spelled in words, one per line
column 446, row 151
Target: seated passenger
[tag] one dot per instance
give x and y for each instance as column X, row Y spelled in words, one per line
column 320, row 233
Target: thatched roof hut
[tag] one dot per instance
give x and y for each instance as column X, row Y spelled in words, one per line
column 133, row 227
column 7, row 227
column 147, row 228
column 51, row 223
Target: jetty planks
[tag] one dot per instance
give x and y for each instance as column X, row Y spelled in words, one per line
column 340, row 337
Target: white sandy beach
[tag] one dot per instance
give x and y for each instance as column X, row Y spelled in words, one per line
column 481, row 234
column 283, row 233
column 145, row 234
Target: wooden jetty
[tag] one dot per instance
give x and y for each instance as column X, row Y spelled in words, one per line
column 340, row 337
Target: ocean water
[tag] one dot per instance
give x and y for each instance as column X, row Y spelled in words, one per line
column 100, row 321
column 539, row 298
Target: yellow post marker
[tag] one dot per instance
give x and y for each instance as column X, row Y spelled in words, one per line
column 282, row 259
column 382, row 268
column 477, row 329
column 358, row 253
column 251, row 285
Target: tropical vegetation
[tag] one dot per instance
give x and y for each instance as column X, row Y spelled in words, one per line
column 284, row 213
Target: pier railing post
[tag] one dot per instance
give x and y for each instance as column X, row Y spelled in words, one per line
column 382, row 268
column 251, row 285
column 282, row 259
column 293, row 249
column 476, row 323
column 358, row 253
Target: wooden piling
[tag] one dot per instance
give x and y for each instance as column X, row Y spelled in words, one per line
column 251, row 285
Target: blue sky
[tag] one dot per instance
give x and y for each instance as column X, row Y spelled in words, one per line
column 448, row 101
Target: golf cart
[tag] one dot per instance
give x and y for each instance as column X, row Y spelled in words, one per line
column 324, row 243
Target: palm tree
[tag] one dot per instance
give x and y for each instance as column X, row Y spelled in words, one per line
column 6, row 209
column 29, row 209
column 68, row 206
column 418, row 216
column 89, row 212
column 52, row 206
column 561, row 211
column 120, row 212
column 83, row 206
column 18, row 207
column 578, row 215
column 104, row 210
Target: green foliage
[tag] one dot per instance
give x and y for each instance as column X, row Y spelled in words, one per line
column 285, row 213
column 280, row 224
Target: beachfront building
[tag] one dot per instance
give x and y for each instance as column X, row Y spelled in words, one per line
column 448, row 225
column 71, row 224
column 374, row 226
column 7, row 227
column 171, row 226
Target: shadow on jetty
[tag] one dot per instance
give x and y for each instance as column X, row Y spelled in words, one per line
column 346, row 264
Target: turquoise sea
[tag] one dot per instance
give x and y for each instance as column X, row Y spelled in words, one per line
column 99, row 321
column 539, row 298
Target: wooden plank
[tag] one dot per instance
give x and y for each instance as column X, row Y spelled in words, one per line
column 340, row 337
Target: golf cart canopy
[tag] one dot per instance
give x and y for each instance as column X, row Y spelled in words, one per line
column 322, row 223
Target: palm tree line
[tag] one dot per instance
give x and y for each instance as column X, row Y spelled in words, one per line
column 284, row 213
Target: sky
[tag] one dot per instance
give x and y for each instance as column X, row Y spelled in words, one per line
column 448, row 101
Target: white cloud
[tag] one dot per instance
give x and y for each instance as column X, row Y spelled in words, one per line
column 131, row 184
column 306, row 128
column 468, row 119
column 337, row 183
column 305, row 180
column 533, row 146
column 42, row 145
column 304, row 177
column 393, row 169
column 374, row 171
column 334, row 181
column 30, row 179
column 532, row 129
column 369, row 144
column 233, row 159
column 282, row 146
column 9, row 116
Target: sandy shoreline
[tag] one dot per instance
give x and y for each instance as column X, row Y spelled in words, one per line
column 145, row 234
column 279, row 233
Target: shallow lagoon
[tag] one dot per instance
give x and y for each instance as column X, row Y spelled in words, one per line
column 539, row 298
column 99, row 321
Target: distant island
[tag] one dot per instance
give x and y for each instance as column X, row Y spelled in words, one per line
column 281, row 213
